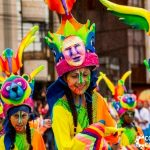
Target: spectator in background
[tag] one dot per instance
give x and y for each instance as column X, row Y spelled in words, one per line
column 147, row 106
column 142, row 117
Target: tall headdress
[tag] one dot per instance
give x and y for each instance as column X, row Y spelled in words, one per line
column 73, row 46
column 71, row 33
column 123, row 101
column 16, row 89
column 118, row 89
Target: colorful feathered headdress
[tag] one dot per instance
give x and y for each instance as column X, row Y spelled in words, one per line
column 11, row 64
column 73, row 44
column 126, row 102
column 16, row 89
column 123, row 101
column 116, row 90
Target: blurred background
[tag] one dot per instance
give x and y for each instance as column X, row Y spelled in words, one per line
column 119, row 47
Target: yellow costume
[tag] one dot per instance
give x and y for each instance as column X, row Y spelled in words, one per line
column 62, row 121
column 22, row 143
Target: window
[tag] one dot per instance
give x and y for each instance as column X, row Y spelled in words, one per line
column 25, row 25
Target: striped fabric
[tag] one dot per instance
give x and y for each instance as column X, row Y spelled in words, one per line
column 130, row 147
column 93, row 137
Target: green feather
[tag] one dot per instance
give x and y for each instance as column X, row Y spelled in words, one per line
column 146, row 64
column 69, row 29
column 82, row 33
column 137, row 22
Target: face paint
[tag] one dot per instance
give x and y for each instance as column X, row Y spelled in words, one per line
column 80, row 77
column 19, row 121
column 20, row 117
column 73, row 50
column 79, row 80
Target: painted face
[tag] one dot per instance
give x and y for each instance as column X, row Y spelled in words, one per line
column 79, row 80
column 128, row 117
column 19, row 121
column 73, row 50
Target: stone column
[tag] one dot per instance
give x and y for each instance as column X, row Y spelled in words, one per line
column 8, row 25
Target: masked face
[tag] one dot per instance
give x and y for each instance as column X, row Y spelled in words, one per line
column 19, row 121
column 79, row 80
column 73, row 50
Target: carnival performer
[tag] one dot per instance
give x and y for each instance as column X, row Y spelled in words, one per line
column 78, row 112
column 126, row 110
column 15, row 94
column 125, row 106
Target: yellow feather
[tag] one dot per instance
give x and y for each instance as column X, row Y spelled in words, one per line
column 36, row 71
column 113, row 130
column 108, row 82
column 28, row 39
column 99, row 79
column 125, row 75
